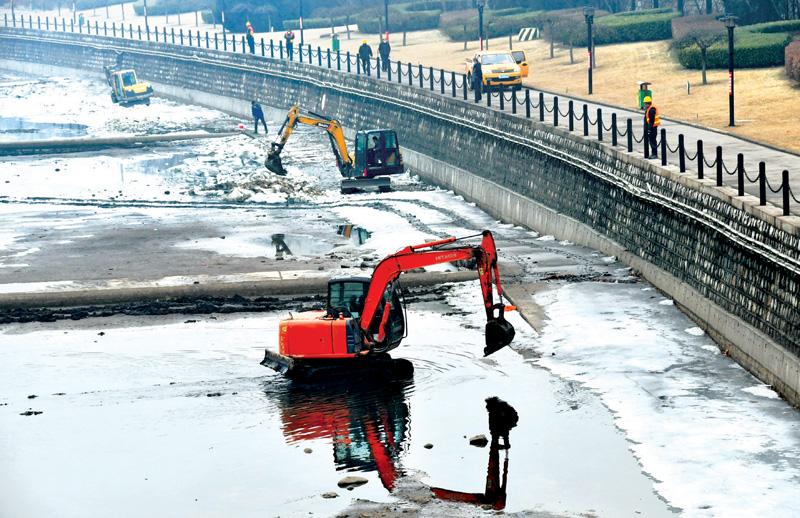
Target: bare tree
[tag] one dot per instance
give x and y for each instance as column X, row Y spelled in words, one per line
column 701, row 32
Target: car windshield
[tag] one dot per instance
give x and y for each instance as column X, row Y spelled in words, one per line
column 497, row 59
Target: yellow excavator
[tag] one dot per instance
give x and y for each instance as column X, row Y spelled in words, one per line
column 126, row 88
column 377, row 152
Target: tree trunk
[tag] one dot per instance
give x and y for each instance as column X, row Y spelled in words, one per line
column 552, row 44
column 709, row 6
column 681, row 7
column 571, row 56
column 703, row 64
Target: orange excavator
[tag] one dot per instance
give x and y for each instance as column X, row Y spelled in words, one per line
column 365, row 317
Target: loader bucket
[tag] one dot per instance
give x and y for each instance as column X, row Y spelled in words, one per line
column 273, row 163
column 499, row 332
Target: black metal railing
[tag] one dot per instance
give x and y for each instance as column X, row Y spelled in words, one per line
column 521, row 101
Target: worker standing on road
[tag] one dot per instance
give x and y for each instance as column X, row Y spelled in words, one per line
column 258, row 115
column 383, row 50
column 251, row 40
column 364, row 55
column 477, row 79
column 289, row 37
column 652, row 120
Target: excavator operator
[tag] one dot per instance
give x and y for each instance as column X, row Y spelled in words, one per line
column 375, row 152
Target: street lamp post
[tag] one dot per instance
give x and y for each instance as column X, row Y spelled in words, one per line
column 730, row 24
column 301, row 30
column 386, row 15
column 588, row 13
column 480, row 5
column 146, row 24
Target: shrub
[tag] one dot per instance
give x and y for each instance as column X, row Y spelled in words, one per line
column 781, row 26
column 494, row 26
column 792, row 56
column 163, row 7
column 629, row 27
column 314, row 23
column 370, row 22
column 93, row 4
column 208, row 17
column 752, row 50
column 431, row 5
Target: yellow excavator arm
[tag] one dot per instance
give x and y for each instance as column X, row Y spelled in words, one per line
column 343, row 159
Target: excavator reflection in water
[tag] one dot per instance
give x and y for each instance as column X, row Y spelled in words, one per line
column 368, row 424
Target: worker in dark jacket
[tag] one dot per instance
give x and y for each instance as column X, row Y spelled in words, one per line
column 251, row 40
column 652, row 120
column 477, row 79
column 258, row 115
column 383, row 50
column 364, row 55
column 289, row 38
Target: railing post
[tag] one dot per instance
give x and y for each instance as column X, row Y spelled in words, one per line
column 786, row 188
column 113, row 29
column 233, row 42
column 338, row 60
column 377, row 68
column 216, row 41
column 280, row 49
column 541, row 106
column 164, row 34
column 348, row 61
column 39, row 22
column 441, row 81
column 681, row 153
column 645, row 140
column 571, row 115
column 599, row 125
column 71, row 26
column 762, row 183
column 208, row 43
column 430, row 77
column 319, row 56
column 410, row 75
column 130, row 31
column 585, row 120
column 614, row 129
column 453, row 83
column 502, row 96
column 328, row 57
column 629, row 134
column 489, row 98
column 420, row 76
column 719, row 166
column 700, row 160
column 139, row 31
column 5, row 19
column 555, row 111
column 464, row 85
column 63, row 25
column 740, row 173
column 663, row 147
column 527, row 103
column 271, row 48
column 309, row 54
column 47, row 23
column 514, row 101
column 172, row 34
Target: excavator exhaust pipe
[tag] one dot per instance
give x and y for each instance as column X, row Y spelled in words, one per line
column 499, row 332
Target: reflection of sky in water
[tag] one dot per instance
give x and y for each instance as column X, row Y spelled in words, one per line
column 13, row 129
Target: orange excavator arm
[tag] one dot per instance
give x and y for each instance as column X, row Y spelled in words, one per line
column 499, row 332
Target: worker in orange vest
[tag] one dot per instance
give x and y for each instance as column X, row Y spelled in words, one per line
column 652, row 120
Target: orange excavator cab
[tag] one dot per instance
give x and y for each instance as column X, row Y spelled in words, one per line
column 365, row 317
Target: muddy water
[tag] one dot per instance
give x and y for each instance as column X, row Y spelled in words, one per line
column 200, row 428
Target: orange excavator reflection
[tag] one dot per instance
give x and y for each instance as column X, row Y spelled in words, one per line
column 368, row 424
column 366, row 421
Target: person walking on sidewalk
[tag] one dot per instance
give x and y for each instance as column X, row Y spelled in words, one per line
column 652, row 120
column 383, row 49
column 289, row 38
column 251, row 40
column 258, row 115
column 364, row 55
column 477, row 79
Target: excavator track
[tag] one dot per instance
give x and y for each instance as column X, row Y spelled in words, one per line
column 369, row 366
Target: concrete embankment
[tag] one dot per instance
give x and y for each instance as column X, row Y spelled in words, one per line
column 734, row 266
column 70, row 145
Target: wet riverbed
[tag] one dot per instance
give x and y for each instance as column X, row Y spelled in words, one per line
column 625, row 407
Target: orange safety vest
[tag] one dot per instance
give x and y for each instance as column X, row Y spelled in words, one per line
column 656, row 119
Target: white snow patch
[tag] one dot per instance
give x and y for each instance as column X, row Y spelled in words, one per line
column 762, row 391
column 667, row 302
column 695, row 331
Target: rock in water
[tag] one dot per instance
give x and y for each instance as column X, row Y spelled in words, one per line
column 307, row 450
column 428, row 446
column 352, row 481
column 330, row 494
column 479, row 441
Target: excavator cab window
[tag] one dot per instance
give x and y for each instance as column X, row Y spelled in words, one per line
column 347, row 296
column 396, row 324
column 377, row 153
column 128, row 78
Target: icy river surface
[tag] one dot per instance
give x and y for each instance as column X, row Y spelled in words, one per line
column 626, row 408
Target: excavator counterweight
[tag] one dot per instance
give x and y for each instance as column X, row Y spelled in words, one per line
column 365, row 316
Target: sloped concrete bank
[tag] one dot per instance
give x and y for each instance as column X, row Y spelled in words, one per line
column 732, row 265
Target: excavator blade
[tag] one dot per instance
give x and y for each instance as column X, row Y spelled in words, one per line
column 277, row 362
column 499, row 333
column 273, row 163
